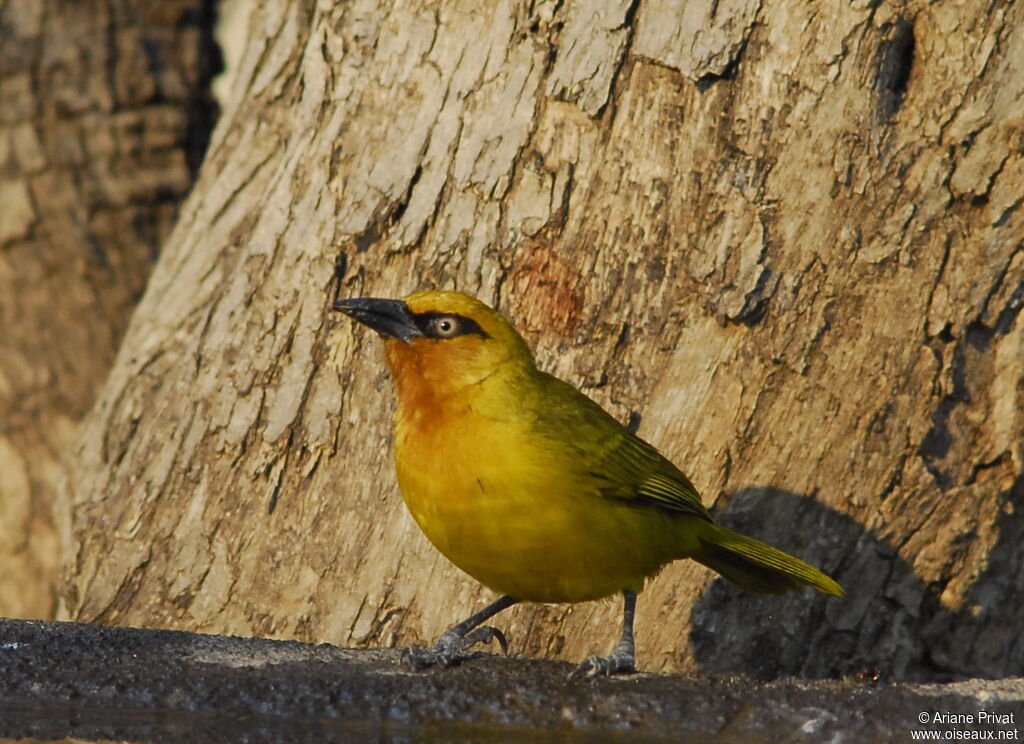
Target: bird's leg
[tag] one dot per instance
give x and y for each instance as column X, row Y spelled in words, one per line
column 623, row 657
column 454, row 644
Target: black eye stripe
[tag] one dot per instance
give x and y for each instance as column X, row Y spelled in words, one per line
column 425, row 322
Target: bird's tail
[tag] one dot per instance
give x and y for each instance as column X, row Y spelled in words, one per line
column 757, row 567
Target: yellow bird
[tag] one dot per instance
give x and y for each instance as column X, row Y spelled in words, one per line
column 532, row 488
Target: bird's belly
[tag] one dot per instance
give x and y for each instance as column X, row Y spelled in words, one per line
column 518, row 523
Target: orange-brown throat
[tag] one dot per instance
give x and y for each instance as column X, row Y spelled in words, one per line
column 416, row 397
column 436, row 380
column 427, row 368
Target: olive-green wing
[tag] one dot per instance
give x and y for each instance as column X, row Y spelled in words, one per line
column 632, row 469
column 615, row 462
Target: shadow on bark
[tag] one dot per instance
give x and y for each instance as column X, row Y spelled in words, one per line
column 890, row 626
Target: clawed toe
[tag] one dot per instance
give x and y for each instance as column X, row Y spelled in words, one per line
column 452, row 649
column 487, row 634
column 419, row 657
column 604, row 666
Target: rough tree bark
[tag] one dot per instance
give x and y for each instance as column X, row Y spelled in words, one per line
column 102, row 106
column 784, row 236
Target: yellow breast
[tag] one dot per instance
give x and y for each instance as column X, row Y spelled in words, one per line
column 516, row 513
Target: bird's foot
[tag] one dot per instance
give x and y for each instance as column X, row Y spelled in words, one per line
column 620, row 662
column 452, row 649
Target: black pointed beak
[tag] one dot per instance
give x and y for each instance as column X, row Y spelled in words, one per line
column 387, row 317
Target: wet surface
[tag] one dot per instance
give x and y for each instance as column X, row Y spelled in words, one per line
column 62, row 680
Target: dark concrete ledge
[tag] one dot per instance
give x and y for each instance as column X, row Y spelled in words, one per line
column 72, row 680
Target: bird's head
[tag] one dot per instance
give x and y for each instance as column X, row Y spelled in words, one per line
column 439, row 341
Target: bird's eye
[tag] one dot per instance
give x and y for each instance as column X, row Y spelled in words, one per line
column 445, row 326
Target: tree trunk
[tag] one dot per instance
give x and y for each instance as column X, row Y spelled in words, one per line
column 103, row 106
column 786, row 240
